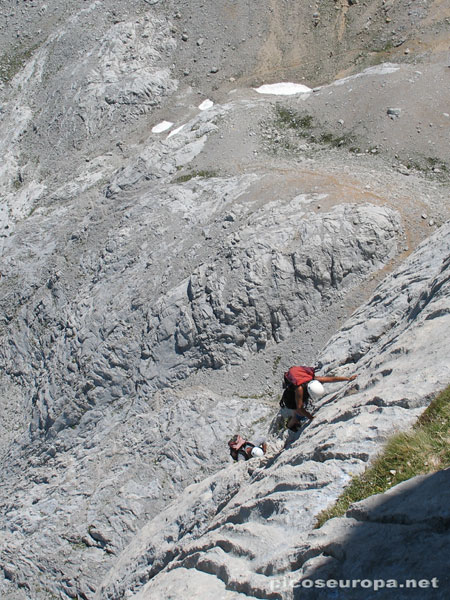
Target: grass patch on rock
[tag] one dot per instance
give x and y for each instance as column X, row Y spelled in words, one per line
column 289, row 127
column 12, row 62
column 431, row 167
column 252, row 396
column 193, row 174
column 286, row 117
column 423, row 449
column 336, row 141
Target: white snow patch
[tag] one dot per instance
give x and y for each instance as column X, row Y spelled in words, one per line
column 175, row 131
column 163, row 126
column 206, row 104
column 382, row 69
column 283, row 89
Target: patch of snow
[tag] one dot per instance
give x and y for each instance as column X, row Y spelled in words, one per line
column 175, row 131
column 283, row 89
column 163, row 126
column 206, row 104
column 383, row 69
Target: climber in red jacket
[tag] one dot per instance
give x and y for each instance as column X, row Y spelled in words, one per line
column 300, row 385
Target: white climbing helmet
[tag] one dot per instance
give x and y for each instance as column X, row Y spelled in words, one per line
column 315, row 389
column 257, row 452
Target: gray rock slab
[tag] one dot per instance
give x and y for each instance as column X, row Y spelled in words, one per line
column 276, row 507
column 143, row 272
column 381, row 541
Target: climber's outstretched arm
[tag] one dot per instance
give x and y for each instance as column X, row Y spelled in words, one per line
column 332, row 379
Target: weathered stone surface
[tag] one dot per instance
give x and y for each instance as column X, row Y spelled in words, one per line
column 68, row 100
column 258, row 540
column 409, row 309
column 260, row 287
column 144, row 272
column 382, row 540
column 88, row 493
column 167, row 318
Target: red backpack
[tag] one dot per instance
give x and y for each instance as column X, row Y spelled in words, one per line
column 238, row 445
column 298, row 375
column 293, row 378
column 236, row 442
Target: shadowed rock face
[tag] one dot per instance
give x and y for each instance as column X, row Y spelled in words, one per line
column 154, row 286
column 369, row 543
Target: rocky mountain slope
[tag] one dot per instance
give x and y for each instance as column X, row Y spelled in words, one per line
column 246, row 528
column 414, row 513
column 156, row 280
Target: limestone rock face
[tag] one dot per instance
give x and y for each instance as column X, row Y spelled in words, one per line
column 81, row 91
column 156, row 281
column 410, row 307
column 265, row 282
column 257, row 540
column 369, row 544
column 89, row 341
column 87, row 492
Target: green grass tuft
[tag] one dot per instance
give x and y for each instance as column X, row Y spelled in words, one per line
column 335, row 141
column 12, row 62
column 423, row 449
column 189, row 176
column 276, row 363
column 286, row 117
column 302, row 125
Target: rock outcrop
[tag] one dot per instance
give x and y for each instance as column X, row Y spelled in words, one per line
column 250, row 536
column 366, row 549
column 156, row 281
